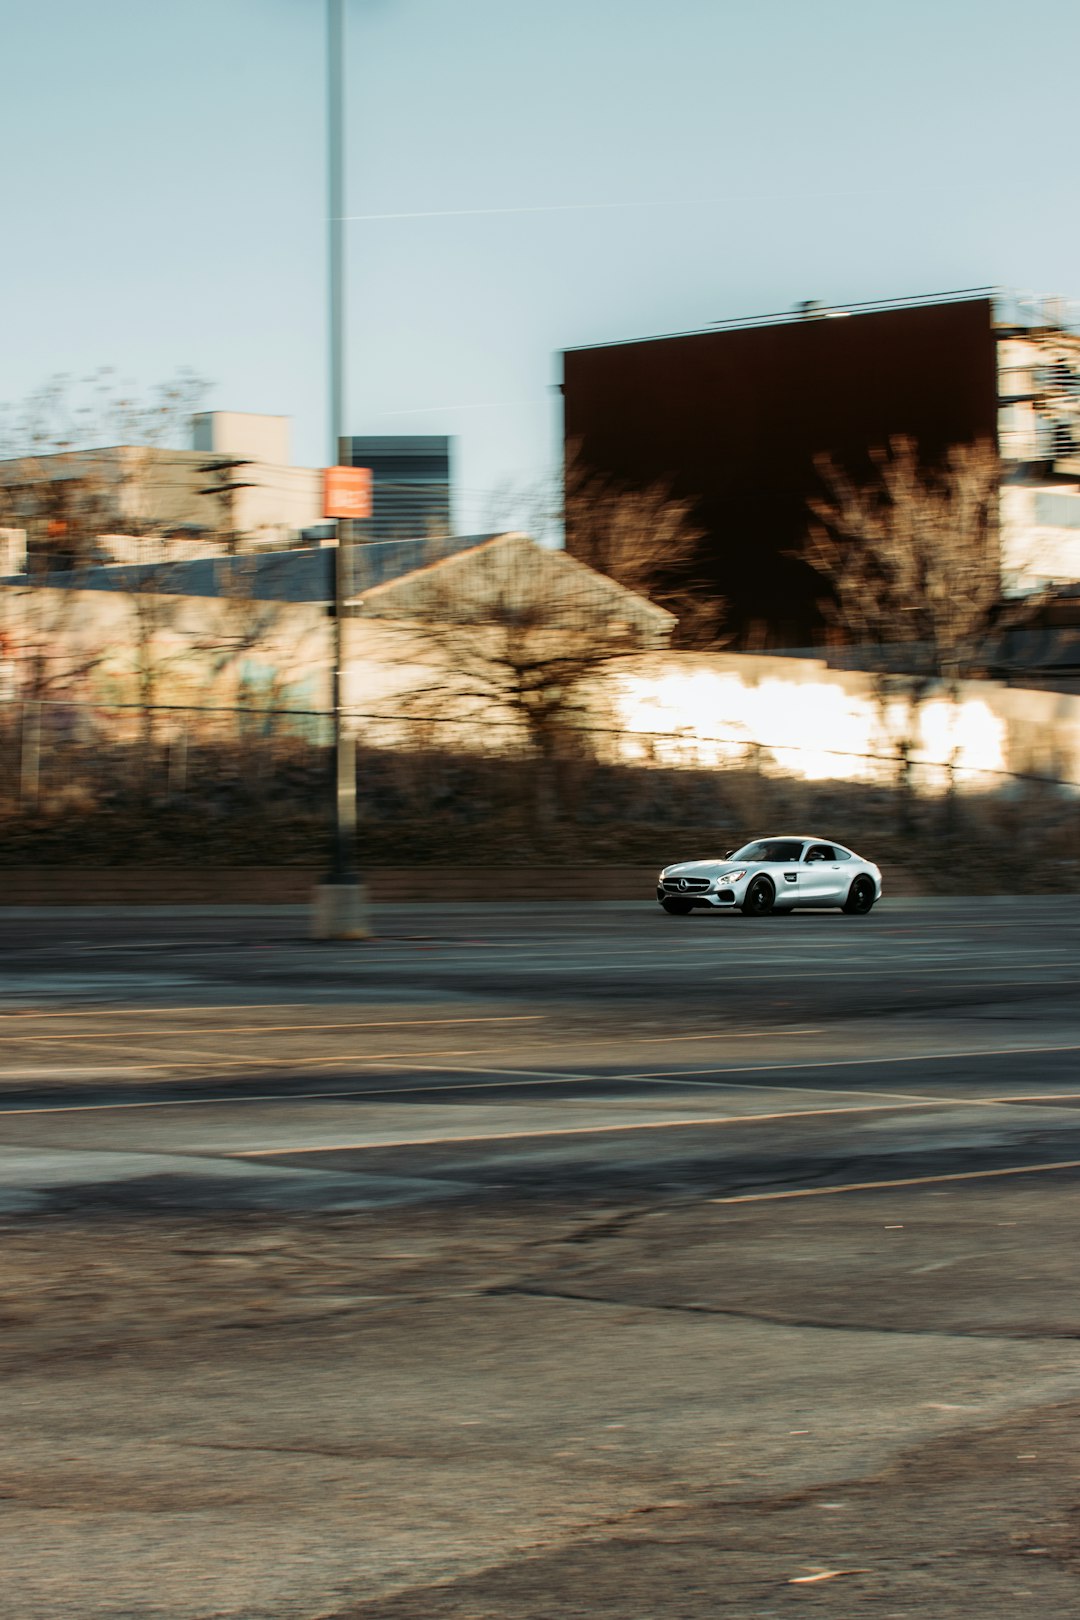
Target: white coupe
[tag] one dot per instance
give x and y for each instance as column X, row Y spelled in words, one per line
column 773, row 874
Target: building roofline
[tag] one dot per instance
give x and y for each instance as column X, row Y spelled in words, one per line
column 801, row 313
column 1016, row 314
column 493, row 540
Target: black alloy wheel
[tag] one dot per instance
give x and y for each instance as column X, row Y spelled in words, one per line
column 760, row 898
column 677, row 908
column 860, row 897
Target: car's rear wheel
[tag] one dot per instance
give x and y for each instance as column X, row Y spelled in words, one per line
column 760, row 898
column 860, row 898
column 677, row 908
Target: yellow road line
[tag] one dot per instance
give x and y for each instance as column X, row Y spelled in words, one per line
column 261, row 1062
column 198, row 1032
column 271, row 1029
column 864, row 1062
column 902, row 1181
column 540, row 1133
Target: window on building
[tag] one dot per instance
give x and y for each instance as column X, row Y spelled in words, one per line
column 1057, row 509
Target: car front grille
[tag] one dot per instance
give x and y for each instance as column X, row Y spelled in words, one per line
column 686, row 885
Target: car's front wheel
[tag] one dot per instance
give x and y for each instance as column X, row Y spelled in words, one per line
column 759, row 900
column 677, row 908
column 860, row 897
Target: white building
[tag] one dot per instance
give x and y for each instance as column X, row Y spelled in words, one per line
column 1038, row 368
column 236, row 485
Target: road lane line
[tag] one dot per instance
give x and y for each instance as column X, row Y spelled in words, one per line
column 248, row 1061
column 301, row 1029
column 861, row 1062
column 823, row 1091
column 541, row 1133
column 537, row 1078
column 901, row 1181
column 314, row 1096
column 250, row 1029
column 65, row 1071
column 146, row 1012
column 513, row 1079
column 228, row 1030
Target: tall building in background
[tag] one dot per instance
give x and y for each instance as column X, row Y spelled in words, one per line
column 734, row 417
column 410, row 484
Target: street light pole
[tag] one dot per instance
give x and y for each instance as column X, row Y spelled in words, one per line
column 335, row 169
column 340, row 909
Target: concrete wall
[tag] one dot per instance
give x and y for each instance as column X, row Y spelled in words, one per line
column 789, row 716
column 800, row 717
column 115, row 650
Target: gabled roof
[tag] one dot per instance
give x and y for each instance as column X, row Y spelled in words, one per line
column 457, row 576
column 508, row 568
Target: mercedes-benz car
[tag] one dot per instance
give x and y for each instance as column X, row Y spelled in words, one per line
column 773, row 874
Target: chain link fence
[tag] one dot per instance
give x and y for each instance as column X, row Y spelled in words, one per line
column 250, row 784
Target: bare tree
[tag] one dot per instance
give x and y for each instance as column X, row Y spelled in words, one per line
column 648, row 538
column 64, row 490
column 85, row 462
column 913, row 557
column 512, row 638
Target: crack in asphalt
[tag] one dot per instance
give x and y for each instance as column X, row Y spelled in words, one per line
column 696, row 1308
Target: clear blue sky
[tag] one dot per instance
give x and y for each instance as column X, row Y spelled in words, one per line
column 163, row 191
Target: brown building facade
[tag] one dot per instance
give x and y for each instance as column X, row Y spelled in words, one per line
column 734, row 418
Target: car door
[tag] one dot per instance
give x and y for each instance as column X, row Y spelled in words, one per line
column 787, row 876
column 821, row 877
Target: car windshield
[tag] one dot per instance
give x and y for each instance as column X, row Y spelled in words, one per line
column 769, row 849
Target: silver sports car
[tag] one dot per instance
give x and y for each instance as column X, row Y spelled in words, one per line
column 773, row 874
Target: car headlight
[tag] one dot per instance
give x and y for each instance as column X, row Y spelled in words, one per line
column 728, row 879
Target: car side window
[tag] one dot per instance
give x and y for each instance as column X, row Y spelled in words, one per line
column 820, row 852
column 842, row 854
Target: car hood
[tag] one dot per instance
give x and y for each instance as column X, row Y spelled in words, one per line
column 703, row 868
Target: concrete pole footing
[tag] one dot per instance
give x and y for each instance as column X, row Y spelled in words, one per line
column 340, row 911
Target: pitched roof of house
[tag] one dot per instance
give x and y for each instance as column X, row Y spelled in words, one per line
column 511, row 572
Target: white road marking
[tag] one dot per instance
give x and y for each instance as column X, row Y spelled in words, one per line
column 541, row 1077
column 824, row 1091
column 311, row 1096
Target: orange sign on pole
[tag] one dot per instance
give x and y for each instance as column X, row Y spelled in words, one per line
column 347, row 492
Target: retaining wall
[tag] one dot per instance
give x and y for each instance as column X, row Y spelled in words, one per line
column 292, row 885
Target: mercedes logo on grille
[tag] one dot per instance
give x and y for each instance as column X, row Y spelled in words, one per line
column 684, row 883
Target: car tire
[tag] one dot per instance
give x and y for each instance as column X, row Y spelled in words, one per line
column 677, row 908
column 860, row 898
column 760, row 898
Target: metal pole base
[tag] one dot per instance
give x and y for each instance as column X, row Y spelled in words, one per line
column 340, row 911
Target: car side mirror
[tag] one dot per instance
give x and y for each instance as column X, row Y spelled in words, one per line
column 728, row 853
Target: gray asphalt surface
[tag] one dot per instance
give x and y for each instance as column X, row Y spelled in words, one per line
column 157, row 1058
column 541, row 1261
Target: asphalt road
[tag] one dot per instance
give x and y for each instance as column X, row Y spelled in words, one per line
column 157, row 1058
column 559, row 1260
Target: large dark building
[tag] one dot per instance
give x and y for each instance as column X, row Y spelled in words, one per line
column 410, row 484
column 734, row 417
